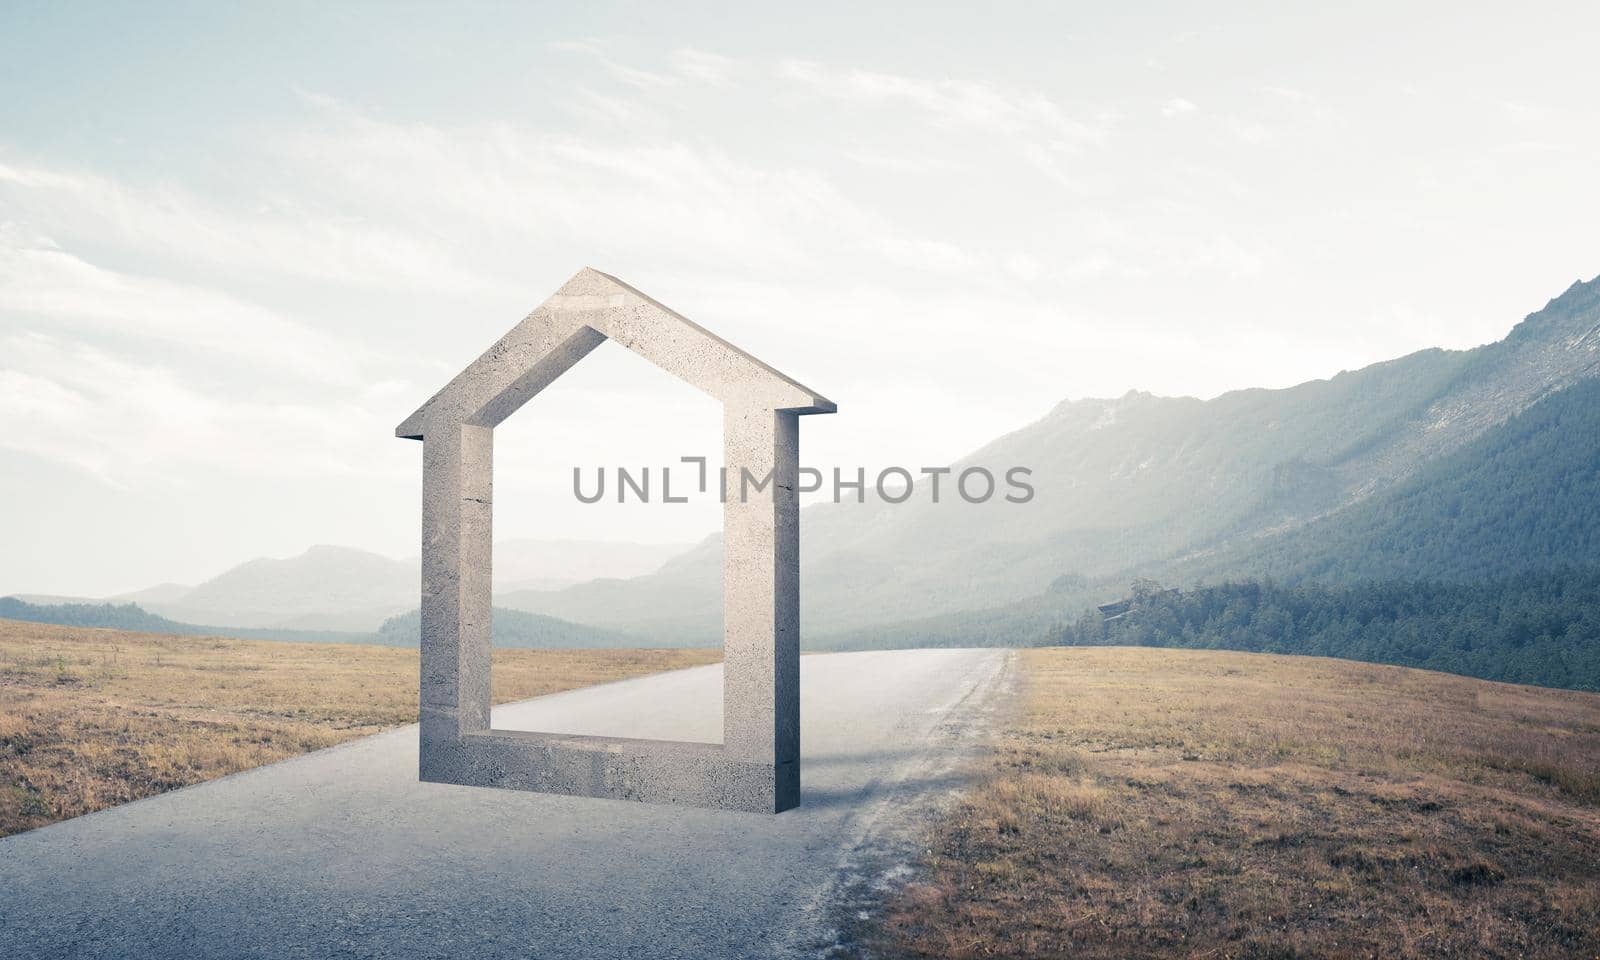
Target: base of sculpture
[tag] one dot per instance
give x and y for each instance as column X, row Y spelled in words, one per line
column 647, row 771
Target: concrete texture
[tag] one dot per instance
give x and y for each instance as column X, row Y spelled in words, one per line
column 756, row 765
column 343, row 853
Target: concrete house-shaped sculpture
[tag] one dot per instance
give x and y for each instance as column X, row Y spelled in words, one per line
column 757, row 766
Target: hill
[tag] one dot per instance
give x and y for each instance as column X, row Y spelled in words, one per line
column 132, row 617
column 1541, row 628
column 512, row 628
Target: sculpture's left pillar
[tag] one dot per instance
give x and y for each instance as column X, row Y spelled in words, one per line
column 457, row 536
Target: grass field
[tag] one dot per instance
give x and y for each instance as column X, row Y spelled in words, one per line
column 93, row 718
column 1147, row 802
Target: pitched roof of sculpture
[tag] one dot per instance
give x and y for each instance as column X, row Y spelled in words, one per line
column 589, row 309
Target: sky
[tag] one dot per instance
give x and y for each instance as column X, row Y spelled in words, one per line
column 238, row 246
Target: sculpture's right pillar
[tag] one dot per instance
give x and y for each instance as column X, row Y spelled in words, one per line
column 761, row 594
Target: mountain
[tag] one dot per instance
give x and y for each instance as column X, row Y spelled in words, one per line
column 552, row 564
column 345, row 589
column 164, row 592
column 54, row 599
column 679, row 604
column 1140, row 485
column 160, row 593
column 1524, row 496
column 330, row 588
column 1518, row 505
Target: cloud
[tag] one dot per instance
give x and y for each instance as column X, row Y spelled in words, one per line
column 149, row 297
column 949, row 102
column 1177, row 106
column 1250, row 132
column 632, row 76
column 141, row 380
column 1023, row 267
column 136, row 350
column 1094, row 265
column 1532, row 147
column 703, row 67
column 689, row 203
column 265, row 234
column 1291, row 94
column 1291, row 105
column 685, row 65
column 1039, row 130
column 902, row 162
column 1222, row 255
column 42, row 284
column 127, row 422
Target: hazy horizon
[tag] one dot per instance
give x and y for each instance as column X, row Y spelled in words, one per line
column 239, row 251
column 685, row 544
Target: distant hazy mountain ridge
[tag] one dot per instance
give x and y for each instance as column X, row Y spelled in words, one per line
column 1137, row 485
column 349, row 590
column 329, row 587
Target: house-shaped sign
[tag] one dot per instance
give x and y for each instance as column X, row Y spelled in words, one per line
column 757, row 766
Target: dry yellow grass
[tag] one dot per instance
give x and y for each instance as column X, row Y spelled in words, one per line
column 94, row 718
column 1181, row 803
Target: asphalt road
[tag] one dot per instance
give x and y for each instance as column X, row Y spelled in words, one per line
column 342, row 853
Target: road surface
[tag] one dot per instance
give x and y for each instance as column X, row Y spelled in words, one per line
column 342, row 853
